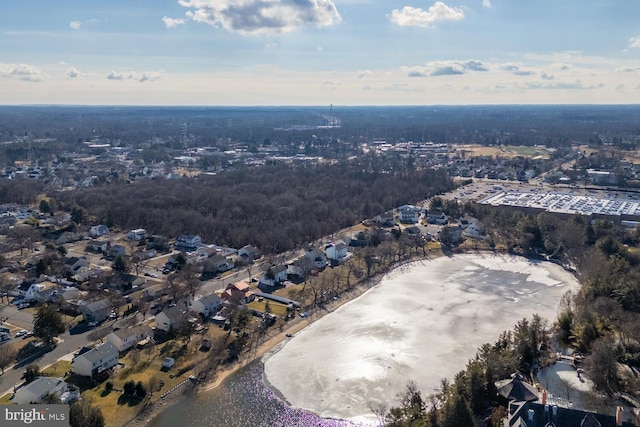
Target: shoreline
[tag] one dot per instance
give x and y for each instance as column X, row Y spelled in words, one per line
column 155, row 409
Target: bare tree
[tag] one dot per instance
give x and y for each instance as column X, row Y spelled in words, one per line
column 8, row 353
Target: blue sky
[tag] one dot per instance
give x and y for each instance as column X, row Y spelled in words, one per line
column 319, row 52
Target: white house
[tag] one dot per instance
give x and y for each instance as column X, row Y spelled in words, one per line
column 98, row 230
column 124, row 339
column 317, row 257
column 474, row 230
column 96, row 360
column 137, row 234
column 29, row 291
column 38, row 389
column 279, row 273
column 74, row 264
column 248, row 254
column 188, row 242
column 169, row 318
column 337, row 251
column 436, row 216
column 208, row 305
column 409, row 214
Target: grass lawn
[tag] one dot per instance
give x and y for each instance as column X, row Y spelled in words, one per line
column 58, row 369
column 6, row 399
column 119, row 409
column 276, row 308
column 526, row 151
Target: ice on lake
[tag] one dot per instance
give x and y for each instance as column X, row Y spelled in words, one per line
column 423, row 322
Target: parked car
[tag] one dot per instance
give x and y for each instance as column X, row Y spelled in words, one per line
column 21, row 333
column 28, row 334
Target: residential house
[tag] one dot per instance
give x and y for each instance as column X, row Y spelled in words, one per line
column 218, row 264
column 248, row 254
column 238, row 293
column 96, row 311
column 72, row 265
column 96, row 360
column 299, row 268
column 436, row 216
column 98, row 230
column 130, row 281
column 535, row 414
column 125, row 339
column 413, row 231
column 28, row 289
column 473, row 229
column 137, row 234
column 317, row 257
column 386, row 219
column 37, row 390
column 208, row 305
column 171, row 318
column 115, row 251
column 99, row 245
column 188, row 243
column 274, row 275
column 409, row 214
column 337, row 251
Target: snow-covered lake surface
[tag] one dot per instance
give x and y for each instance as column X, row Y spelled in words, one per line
column 422, row 323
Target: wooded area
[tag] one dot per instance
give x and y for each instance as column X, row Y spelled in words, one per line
column 276, row 208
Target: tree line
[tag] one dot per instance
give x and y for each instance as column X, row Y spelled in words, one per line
column 276, row 207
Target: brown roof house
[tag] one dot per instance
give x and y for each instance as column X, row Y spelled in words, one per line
column 238, row 293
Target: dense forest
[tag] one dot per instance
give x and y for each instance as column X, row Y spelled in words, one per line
column 277, row 207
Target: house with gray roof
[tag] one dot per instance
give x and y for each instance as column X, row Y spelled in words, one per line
column 208, row 305
column 125, row 339
column 97, row 311
column 96, row 360
column 38, row 389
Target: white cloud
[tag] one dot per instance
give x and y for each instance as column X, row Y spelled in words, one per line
column 364, row 74
column 145, row 76
column 545, row 76
column 76, row 25
column 416, row 17
column 634, row 42
column 446, row 68
column 172, row 22
column 250, row 17
column 73, row 73
column 487, row 4
column 24, row 72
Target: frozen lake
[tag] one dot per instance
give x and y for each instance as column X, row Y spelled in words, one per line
column 422, row 323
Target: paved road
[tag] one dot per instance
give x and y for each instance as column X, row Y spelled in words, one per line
column 69, row 344
column 16, row 319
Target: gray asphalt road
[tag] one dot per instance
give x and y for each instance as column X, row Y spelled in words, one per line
column 69, row 344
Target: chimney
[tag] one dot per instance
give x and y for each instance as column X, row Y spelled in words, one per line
column 544, row 397
column 619, row 411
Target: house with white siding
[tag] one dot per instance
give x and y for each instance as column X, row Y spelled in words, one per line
column 96, row 360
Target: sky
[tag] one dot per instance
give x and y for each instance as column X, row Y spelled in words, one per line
column 319, row 52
